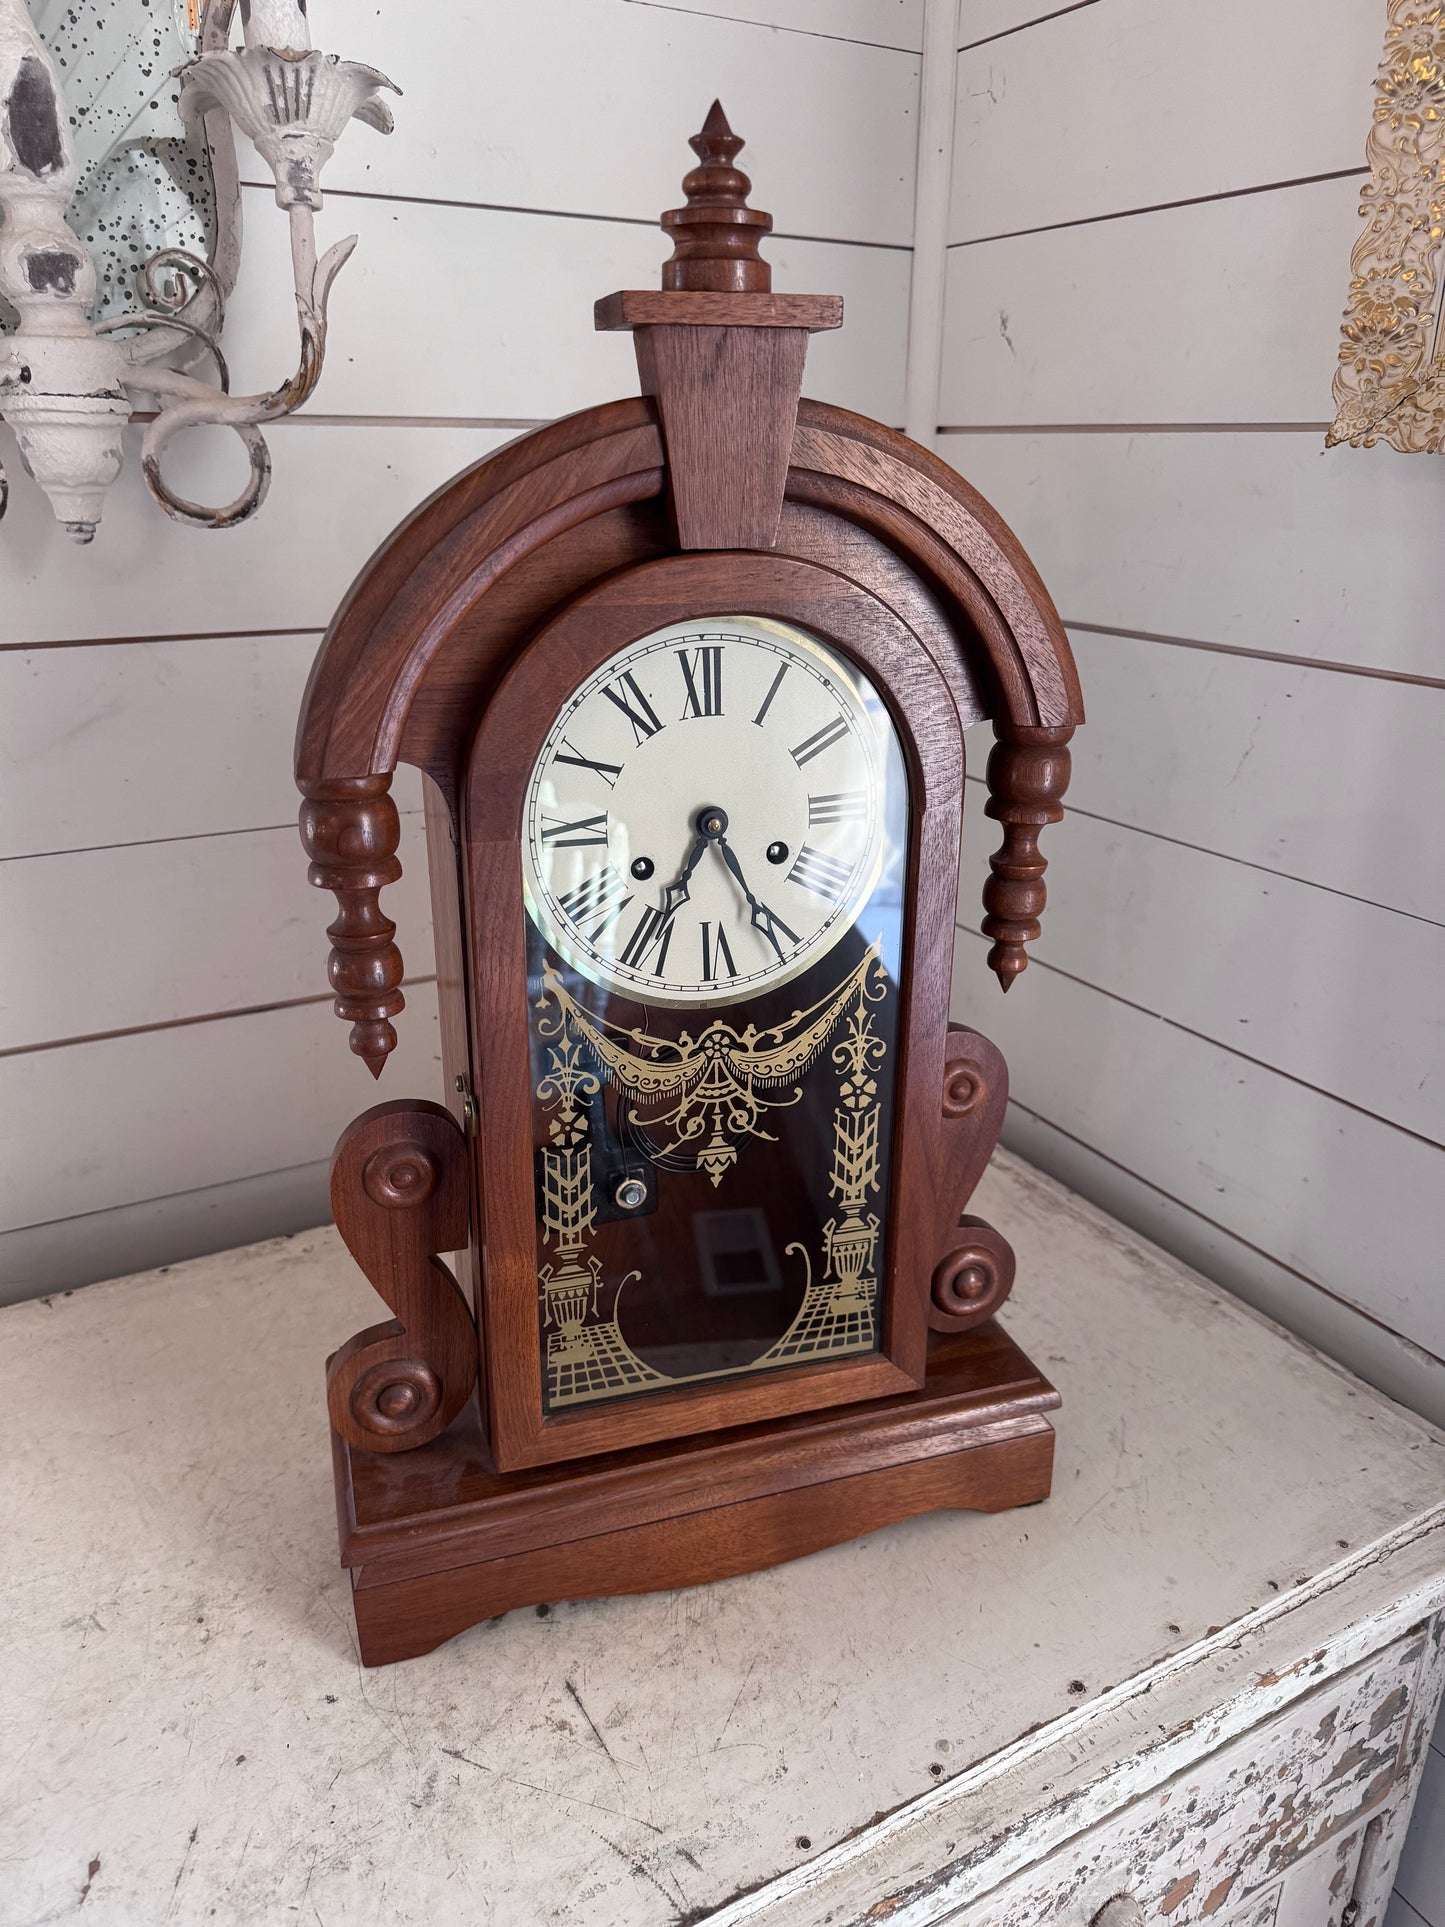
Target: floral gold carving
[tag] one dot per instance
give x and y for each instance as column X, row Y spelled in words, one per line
column 1390, row 383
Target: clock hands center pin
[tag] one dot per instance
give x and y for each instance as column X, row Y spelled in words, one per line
column 676, row 893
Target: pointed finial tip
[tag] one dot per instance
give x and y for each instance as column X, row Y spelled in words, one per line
column 715, row 143
column 1007, row 961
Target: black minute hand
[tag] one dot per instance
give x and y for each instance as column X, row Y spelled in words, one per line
column 676, row 894
column 761, row 918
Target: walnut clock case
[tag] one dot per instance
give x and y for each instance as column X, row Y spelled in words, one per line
column 688, row 678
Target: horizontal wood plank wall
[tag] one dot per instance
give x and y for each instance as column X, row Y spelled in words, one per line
column 1232, row 1033
column 171, row 1075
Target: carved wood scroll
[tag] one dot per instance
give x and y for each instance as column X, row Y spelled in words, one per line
column 399, row 1191
column 1028, row 772
column 351, row 830
column 974, row 1272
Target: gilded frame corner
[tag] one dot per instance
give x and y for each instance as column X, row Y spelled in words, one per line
column 1390, row 382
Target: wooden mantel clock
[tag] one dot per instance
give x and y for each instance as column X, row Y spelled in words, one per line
column 687, row 677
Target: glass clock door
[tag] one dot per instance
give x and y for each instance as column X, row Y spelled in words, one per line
column 714, row 849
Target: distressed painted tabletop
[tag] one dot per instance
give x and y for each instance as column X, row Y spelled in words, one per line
column 186, row 1734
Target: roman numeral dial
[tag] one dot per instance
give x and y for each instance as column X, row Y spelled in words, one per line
column 713, row 808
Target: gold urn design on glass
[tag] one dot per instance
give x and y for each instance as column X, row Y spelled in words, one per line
column 717, row 823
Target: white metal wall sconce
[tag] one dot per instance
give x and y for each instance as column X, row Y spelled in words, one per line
column 68, row 384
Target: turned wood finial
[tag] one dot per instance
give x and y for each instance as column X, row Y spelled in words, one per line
column 351, row 830
column 715, row 237
column 1028, row 772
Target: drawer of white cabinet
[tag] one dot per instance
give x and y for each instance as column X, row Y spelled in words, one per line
column 1216, row 1843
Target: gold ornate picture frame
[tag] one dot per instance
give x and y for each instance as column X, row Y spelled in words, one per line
column 1390, row 383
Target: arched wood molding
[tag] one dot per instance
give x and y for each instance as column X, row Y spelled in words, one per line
column 973, row 598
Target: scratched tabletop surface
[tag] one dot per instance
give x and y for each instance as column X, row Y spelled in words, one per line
column 186, row 1733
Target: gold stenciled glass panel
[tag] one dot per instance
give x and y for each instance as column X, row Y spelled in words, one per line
column 714, row 851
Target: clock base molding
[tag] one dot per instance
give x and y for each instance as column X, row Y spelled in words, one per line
column 438, row 1541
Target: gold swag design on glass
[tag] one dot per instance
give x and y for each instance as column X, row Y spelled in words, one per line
column 718, row 1086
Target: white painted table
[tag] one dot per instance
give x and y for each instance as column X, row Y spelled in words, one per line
column 1233, row 1599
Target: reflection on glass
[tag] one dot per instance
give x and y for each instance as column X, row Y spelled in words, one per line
column 712, row 1155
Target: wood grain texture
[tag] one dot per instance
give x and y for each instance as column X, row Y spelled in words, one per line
column 973, row 1273
column 400, row 1186
column 1028, row 772
column 716, row 235
column 720, row 355
column 727, row 398
column 428, row 579
column 442, row 1539
column 921, row 503
column 650, row 307
column 350, row 829
column 402, row 1619
column 717, row 429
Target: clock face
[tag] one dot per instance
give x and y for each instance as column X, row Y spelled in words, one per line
column 707, row 813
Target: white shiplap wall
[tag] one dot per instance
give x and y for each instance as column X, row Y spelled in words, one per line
column 1233, row 1032
column 171, row 1075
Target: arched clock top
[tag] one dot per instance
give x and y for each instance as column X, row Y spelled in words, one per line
column 720, row 453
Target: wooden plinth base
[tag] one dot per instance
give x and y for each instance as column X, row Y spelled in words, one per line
column 437, row 1540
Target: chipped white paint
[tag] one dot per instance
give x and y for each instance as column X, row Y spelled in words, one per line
column 1231, row 1836
column 60, row 383
column 185, row 1708
column 68, row 385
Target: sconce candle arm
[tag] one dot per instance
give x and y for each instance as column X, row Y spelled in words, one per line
column 68, row 385
column 198, row 405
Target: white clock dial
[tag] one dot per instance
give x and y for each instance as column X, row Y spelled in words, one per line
column 706, row 815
